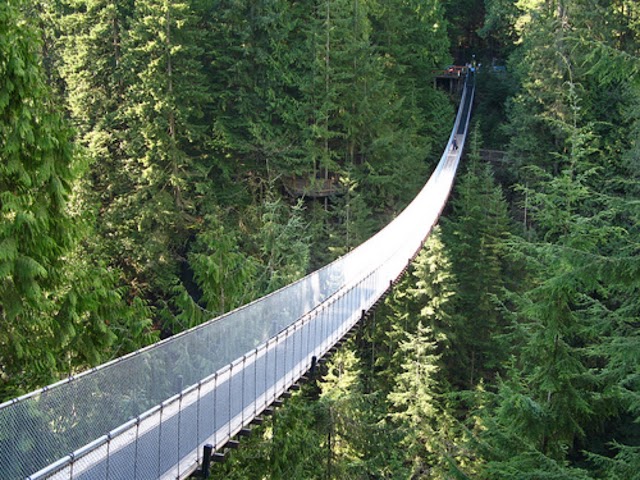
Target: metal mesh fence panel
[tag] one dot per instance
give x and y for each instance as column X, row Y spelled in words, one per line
column 147, row 415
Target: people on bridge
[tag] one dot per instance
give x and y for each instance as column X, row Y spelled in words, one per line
column 454, row 144
column 474, row 64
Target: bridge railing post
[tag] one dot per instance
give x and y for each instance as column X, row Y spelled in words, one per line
column 229, row 403
column 214, row 411
column 255, row 382
column 307, row 329
column 243, row 389
column 266, row 374
column 159, row 457
column 207, row 450
column 292, row 335
column 316, row 327
column 180, row 428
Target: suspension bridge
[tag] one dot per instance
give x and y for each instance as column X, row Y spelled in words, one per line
column 154, row 414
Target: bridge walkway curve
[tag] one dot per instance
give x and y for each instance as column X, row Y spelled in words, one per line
column 149, row 414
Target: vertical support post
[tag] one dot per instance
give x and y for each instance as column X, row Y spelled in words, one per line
column 206, row 460
column 108, row 453
column 160, row 439
column 179, row 428
column 230, row 400
column 307, row 327
column 266, row 373
column 312, row 369
column 198, row 414
column 255, row 382
column 216, row 424
column 293, row 351
column 316, row 341
column 135, row 455
column 242, row 379
column 275, row 365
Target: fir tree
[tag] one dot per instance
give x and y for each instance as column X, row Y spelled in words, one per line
column 475, row 234
column 63, row 312
column 152, row 220
column 37, row 173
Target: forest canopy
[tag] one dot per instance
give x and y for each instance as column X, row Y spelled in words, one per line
column 164, row 162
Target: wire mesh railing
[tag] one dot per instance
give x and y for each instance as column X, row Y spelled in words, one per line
column 148, row 415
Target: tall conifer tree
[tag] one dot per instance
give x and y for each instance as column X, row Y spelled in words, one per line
column 165, row 163
column 62, row 312
column 565, row 388
column 476, row 234
column 37, row 173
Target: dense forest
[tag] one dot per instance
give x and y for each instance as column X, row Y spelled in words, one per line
column 164, row 162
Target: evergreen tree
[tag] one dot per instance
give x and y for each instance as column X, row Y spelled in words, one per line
column 221, row 270
column 288, row 445
column 62, row 311
column 410, row 37
column 499, row 28
column 353, row 218
column 562, row 389
column 259, row 56
column 37, row 173
column 465, row 19
column 93, row 46
column 152, row 221
column 91, row 67
column 414, row 400
column 283, row 244
column 342, row 401
column 475, row 234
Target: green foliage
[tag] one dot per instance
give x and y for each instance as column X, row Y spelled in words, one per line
column 433, row 286
column 570, row 125
column 354, row 218
column 164, row 107
column 286, row 446
column 413, row 397
column 475, row 235
column 411, row 38
column 221, row 271
column 283, row 243
column 36, row 230
column 499, row 28
column 61, row 312
column 495, row 89
column 464, row 19
column 623, row 465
